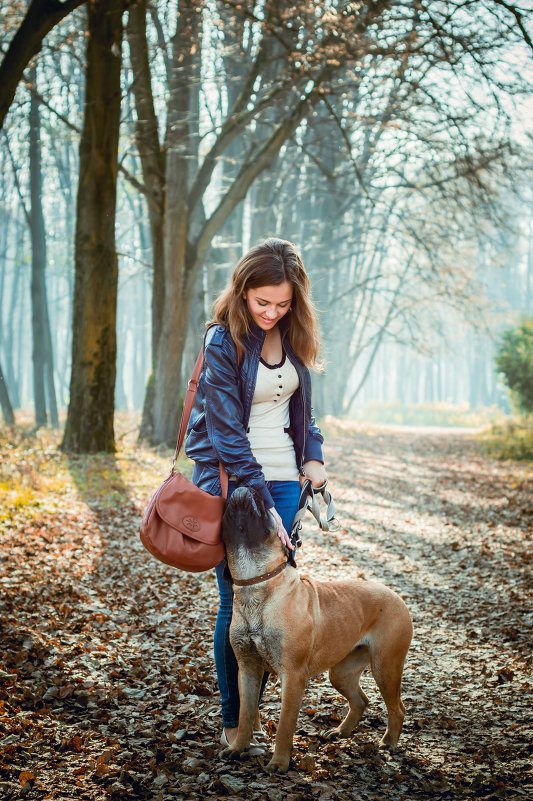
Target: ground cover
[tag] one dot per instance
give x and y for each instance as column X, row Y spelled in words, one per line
column 107, row 687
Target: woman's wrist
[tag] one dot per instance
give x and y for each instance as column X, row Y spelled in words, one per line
column 315, row 472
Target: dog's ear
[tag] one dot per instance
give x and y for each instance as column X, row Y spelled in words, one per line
column 256, row 500
column 268, row 520
column 258, row 505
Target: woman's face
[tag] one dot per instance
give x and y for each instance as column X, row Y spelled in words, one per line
column 268, row 304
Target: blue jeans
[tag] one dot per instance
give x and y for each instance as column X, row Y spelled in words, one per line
column 285, row 495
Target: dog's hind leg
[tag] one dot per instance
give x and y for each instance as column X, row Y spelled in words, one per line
column 344, row 677
column 387, row 670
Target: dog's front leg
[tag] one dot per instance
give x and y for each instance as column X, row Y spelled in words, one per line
column 292, row 691
column 250, row 676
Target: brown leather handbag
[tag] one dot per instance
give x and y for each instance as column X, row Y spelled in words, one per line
column 182, row 523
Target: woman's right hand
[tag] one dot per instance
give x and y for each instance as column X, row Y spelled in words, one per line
column 282, row 534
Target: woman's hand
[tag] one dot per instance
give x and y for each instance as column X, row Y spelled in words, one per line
column 282, row 534
column 315, row 472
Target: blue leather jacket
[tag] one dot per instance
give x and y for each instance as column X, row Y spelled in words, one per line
column 219, row 418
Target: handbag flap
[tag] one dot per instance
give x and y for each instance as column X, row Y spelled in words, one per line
column 190, row 510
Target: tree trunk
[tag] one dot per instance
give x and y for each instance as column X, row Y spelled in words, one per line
column 65, row 159
column 141, row 340
column 43, row 363
column 153, row 168
column 237, row 62
column 5, row 403
column 429, row 383
column 181, row 148
column 89, row 425
column 17, row 323
column 38, row 261
column 528, row 305
column 477, row 368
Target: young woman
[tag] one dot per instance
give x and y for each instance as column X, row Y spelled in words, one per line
column 253, row 413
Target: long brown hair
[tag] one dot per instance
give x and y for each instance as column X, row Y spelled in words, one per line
column 270, row 263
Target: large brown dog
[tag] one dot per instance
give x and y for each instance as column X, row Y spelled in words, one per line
column 298, row 628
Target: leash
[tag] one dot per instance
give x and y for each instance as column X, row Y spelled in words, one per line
column 308, row 501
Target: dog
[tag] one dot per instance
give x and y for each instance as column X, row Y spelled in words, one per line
column 298, row 628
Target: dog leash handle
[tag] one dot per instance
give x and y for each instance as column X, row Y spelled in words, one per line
column 308, row 501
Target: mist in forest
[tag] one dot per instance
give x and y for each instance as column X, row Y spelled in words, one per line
column 144, row 150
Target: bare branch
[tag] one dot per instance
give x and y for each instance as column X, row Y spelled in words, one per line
column 41, row 17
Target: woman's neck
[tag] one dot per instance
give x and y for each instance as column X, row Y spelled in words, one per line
column 272, row 350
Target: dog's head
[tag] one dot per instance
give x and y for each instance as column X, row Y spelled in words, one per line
column 246, row 521
column 248, row 525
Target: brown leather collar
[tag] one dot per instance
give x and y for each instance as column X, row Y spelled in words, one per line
column 263, row 577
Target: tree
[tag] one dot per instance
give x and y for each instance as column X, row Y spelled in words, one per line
column 43, row 362
column 303, row 48
column 394, row 192
column 153, row 159
column 5, row 403
column 514, row 360
column 89, row 424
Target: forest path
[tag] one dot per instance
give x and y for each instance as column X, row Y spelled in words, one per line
column 107, row 676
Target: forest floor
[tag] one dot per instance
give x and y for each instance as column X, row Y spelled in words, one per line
column 107, row 679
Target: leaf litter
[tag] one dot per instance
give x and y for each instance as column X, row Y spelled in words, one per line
column 107, row 681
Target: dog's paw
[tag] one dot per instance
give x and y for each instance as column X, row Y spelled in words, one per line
column 277, row 765
column 231, row 753
column 338, row 731
column 390, row 747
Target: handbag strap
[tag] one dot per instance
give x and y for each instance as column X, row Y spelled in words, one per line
column 190, row 395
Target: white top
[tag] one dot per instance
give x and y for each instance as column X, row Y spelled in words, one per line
column 271, row 444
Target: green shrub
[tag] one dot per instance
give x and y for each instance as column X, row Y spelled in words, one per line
column 514, row 359
column 512, row 439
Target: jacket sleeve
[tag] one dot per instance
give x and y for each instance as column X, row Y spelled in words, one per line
column 313, row 443
column 224, row 418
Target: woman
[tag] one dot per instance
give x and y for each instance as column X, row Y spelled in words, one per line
column 253, row 413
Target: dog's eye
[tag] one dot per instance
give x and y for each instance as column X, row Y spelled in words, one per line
column 241, row 529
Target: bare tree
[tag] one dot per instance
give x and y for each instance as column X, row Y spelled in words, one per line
column 43, row 361
column 89, row 424
column 5, row 403
column 302, row 47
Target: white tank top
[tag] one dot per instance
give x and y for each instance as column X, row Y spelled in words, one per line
column 271, row 444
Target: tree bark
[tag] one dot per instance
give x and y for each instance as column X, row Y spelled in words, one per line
column 89, row 425
column 5, row 403
column 13, row 375
column 181, row 147
column 41, row 17
column 43, row 362
column 38, row 261
column 153, row 167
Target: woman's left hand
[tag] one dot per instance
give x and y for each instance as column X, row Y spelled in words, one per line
column 315, row 472
column 282, row 534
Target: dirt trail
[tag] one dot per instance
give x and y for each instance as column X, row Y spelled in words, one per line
column 106, row 668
